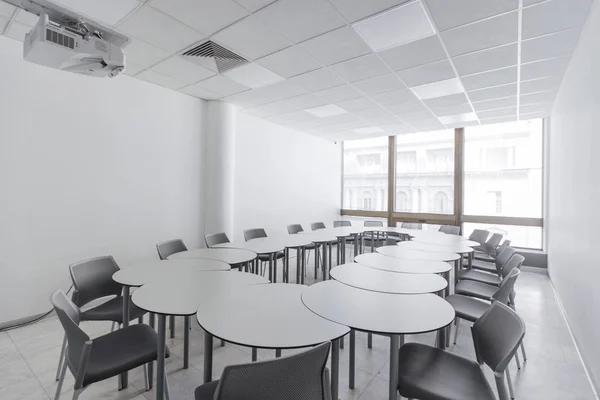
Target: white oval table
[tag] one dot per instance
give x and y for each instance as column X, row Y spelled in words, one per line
column 261, row 246
column 394, row 315
column 407, row 266
column 275, row 319
column 410, row 254
column 322, row 238
column 235, row 257
column 445, row 240
column 181, row 295
column 343, row 233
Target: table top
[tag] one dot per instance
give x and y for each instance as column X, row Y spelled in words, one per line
column 142, row 272
column 229, row 255
column 363, row 277
column 321, row 236
column 446, row 240
column 378, row 312
column 259, row 245
column 401, row 252
column 182, row 294
column 341, row 231
column 439, row 248
column 270, row 316
column 407, row 266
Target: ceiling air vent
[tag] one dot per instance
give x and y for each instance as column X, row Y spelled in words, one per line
column 211, row 55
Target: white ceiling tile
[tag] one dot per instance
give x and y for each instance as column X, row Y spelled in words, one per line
column 394, row 97
column 550, row 83
column 18, row 31
column 336, row 46
column 481, row 35
column 406, row 108
column 6, row 9
column 452, row 110
column 301, row 20
column 106, row 11
column 206, row 16
column 308, row 100
column 495, row 92
column 499, row 120
column 530, row 2
column 491, row 78
column 159, row 29
column 278, row 107
column 380, row 84
column 3, row 22
column 410, row 55
column 247, row 99
column 486, row 60
column 377, row 115
column 526, row 117
column 268, row 94
column 360, row 103
column 182, row 70
column 439, row 89
column 353, row 10
column 328, row 110
column 360, row 68
column 495, row 104
column 338, row 94
column 449, row 14
column 289, row 62
column 554, row 16
column 554, row 45
column 221, row 85
column 143, row 53
column 369, row 130
column 536, row 108
column 160, row 79
column 417, row 116
column 131, row 68
column 397, row 128
column 339, row 119
column 462, row 124
column 433, row 72
column 27, row 18
column 533, row 98
column 254, row 5
column 446, row 101
column 543, row 68
column 403, row 24
column 318, row 80
column 253, row 76
column 251, row 38
column 458, row 119
column 427, row 125
column 502, row 112
column 291, row 117
column 196, row 91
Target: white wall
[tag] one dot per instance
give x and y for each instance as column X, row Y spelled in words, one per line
column 89, row 167
column 574, row 194
column 283, row 177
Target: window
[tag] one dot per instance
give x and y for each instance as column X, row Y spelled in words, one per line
column 519, row 236
column 503, row 169
column 425, row 172
column 366, row 174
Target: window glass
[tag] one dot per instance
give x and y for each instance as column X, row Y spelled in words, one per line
column 519, row 236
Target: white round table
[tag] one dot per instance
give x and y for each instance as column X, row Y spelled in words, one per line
column 409, row 254
column 457, row 248
column 233, row 257
column 141, row 272
column 394, row 315
column 445, row 240
column 322, row 238
column 276, row 319
column 407, row 266
column 363, row 277
column 182, row 295
column 261, row 246
column 343, row 233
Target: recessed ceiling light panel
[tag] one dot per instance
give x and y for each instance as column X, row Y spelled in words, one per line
column 326, row 111
column 438, row 89
column 401, row 25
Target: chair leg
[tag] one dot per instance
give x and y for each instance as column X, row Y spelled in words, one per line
column 141, row 319
column 62, row 356
column 172, row 326
column 167, row 393
column 113, row 326
column 510, row 386
column 502, row 394
column 61, row 379
column 146, row 376
column 523, row 351
column 77, row 393
column 456, row 329
column 517, row 360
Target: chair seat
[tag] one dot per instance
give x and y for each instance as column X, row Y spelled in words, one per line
column 266, row 257
column 112, row 310
column 121, row 351
column 206, row 391
column 475, row 289
column 483, row 257
column 430, row 373
column 488, row 267
column 479, row 276
column 468, row 308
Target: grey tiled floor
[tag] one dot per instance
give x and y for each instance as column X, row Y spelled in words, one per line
column 28, row 358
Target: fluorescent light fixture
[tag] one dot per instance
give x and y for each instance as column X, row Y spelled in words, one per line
column 326, row 111
column 366, row 131
column 438, row 89
column 253, row 76
column 404, row 24
column 455, row 119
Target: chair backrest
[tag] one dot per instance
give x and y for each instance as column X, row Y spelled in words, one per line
column 315, row 226
column 255, row 233
column 501, row 248
column 216, row 238
column 492, row 243
column 412, row 225
column 450, row 229
column 497, row 335
column 503, row 258
column 479, row 235
column 92, row 279
column 506, row 286
column 373, row 223
column 516, row 261
column 294, row 229
column 165, row 249
column 298, row 377
column 337, row 224
column 78, row 342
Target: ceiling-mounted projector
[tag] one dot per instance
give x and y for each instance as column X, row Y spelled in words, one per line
column 64, row 40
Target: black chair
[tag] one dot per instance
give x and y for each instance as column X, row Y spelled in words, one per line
column 315, row 226
column 370, row 237
column 165, row 249
column 450, row 229
column 480, row 236
column 488, row 276
column 484, row 290
column 337, row 224
column 301, row 376
column 213, row 239
column 412, row 225
column 479, row 256
column 92, row 361
column 257, row 233
column 429, row 373
column 92, row 280
column 490, row 246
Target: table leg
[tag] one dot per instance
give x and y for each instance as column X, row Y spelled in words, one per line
column 471, row 255
column 208, row 356
column 395, row 341
column 186, row 342
column 324, row 266
column 373, row 241
column 160, row 361
column 277, row 353
column 124, row 377
column 446, row 291
column 352, row 358
column 274, row 256
column 343, row 250
column 335, row 369
column 370, row 340
column 456, row 270
column 286, row 262
column 271, row 267
column 442, row 338
column 303, row 273
column 299, row 257
column 329, row 262
column 316, row 259
column 254, row 354
column 356, row 244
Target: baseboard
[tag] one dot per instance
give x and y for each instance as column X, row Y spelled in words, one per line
column 20, row 321
column 564, row 315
